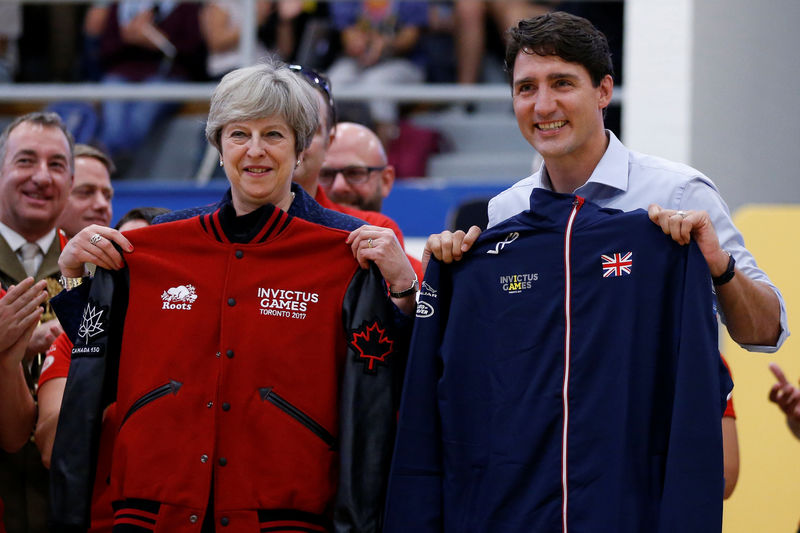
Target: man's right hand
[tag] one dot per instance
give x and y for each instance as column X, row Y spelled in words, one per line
column 44, row 335
column 20, row 309
column 81, row 249
column 449, row 246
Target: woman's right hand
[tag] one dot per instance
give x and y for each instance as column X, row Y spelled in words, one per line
column 87, row 247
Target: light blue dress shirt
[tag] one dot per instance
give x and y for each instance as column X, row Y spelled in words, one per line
column 628, row 180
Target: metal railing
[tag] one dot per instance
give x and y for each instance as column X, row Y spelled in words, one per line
column 199, row 92
column 27, row 93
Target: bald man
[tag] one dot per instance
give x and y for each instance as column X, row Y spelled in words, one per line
column 356, row 171
column 306, row 175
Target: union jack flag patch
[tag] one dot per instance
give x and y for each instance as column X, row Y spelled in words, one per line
column 617, row 264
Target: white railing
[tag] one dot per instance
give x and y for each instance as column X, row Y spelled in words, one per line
column 198, row 92
column 201, row 92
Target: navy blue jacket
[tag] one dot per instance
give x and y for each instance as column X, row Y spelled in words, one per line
column 565, row 376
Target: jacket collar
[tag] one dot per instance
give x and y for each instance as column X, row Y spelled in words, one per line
column 259, row 226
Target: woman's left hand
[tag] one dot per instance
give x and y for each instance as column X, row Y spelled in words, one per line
column 380, row 245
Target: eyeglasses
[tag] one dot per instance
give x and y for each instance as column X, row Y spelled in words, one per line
column 320, row 81
column 354, row 175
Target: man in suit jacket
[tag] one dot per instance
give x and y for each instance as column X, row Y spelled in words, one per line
column 36, row 155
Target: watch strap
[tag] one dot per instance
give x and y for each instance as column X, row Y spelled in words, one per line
column 411, row 290
column 70, row 283
column 730, row 271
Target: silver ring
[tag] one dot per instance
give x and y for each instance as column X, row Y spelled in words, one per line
column 94, row 239
column 369, row 243
column 682, row 214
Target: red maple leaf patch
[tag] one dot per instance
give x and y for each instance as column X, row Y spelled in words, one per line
column 372, row 346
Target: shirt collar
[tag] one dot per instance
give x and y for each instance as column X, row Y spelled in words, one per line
column 15, row 240
column 611, row 170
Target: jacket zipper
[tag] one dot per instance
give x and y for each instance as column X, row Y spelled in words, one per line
column 268, row 394
column 171, row 387
column 576, row 205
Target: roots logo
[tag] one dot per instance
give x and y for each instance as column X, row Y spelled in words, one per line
column 372, row 346
column 180, row 297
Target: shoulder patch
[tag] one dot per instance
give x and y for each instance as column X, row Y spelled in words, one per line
column 93, row 322
column 371, row 345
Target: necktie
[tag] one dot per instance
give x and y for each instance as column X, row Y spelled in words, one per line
column 30, row 253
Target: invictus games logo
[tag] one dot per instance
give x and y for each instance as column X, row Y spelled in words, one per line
column 516, row 283
column 511, row 237
column 180, row 297
column 285, row 303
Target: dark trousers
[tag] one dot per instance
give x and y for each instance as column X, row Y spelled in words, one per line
column 24, row 490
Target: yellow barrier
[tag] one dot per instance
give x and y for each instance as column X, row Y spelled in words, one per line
column 767, row 497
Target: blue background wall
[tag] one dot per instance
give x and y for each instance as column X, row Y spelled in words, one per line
column 420, row 207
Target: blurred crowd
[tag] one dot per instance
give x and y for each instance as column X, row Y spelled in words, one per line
column 368, row 43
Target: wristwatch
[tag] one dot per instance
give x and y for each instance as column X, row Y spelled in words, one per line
column 411, row 290
column 69, row 283
column 726, row 276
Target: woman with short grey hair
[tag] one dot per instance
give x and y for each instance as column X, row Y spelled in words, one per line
column 262, row 90
column 252, row 352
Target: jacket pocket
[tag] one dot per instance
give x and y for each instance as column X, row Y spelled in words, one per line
column 268, row 394
column 159, row 392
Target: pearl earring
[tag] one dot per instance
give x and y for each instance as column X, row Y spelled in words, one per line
column 297, row 164
column 220, row 162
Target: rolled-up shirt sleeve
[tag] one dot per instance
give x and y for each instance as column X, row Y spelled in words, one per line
column 701, row 194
